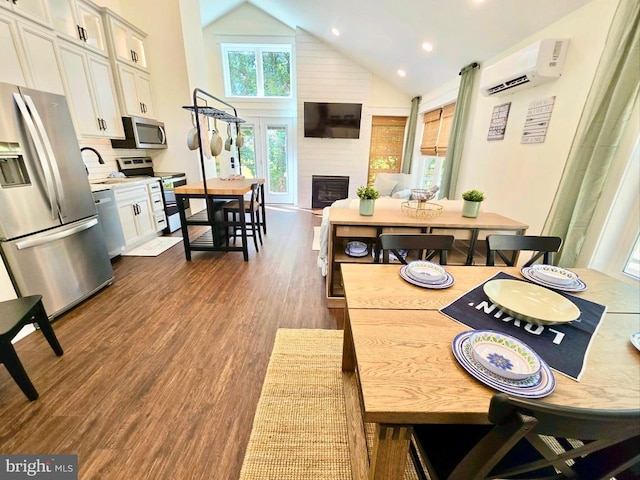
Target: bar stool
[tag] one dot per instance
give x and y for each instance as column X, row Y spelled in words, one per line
column 251, row 208
column 15, row 314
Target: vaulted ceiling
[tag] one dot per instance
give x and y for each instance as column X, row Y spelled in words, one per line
column 385, row 36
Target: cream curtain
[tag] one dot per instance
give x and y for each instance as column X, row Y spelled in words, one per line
column 411, row 136
column 607, row 109
column 454, row 148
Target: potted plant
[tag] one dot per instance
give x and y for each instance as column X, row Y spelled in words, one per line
column 471, row 205
column 368, row 196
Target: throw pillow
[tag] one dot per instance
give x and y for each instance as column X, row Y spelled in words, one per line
column 404, row 194
column 384, row 186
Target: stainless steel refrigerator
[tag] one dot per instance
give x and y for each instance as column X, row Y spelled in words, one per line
column 50, row 239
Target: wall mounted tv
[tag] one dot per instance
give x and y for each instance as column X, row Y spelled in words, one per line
column 332, row 120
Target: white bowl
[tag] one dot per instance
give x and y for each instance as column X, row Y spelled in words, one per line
column 425, row 271
column 504, row 355
column 553, row 274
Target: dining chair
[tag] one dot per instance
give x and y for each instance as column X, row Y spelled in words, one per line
column 432, row 244
column 544, row 247
column 251, row 208
column 534, row 440
column 15, row 314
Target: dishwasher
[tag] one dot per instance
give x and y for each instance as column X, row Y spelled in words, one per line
column 109, row 220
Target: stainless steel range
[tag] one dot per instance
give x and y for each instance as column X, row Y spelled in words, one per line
column 143, row 166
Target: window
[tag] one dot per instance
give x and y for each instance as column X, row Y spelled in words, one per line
column 387, row 139
column 435, row 138
column 261, row 71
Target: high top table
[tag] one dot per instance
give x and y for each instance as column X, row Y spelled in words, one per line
column 399, row 369
column 346, row 224
column 217, row 193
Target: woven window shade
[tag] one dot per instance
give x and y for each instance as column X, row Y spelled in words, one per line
column 387, row 141
column 437, row 128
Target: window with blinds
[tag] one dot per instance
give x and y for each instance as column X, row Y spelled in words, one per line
column 437, row 128
column 387, row 140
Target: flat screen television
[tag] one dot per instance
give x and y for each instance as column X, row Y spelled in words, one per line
column 332, row 120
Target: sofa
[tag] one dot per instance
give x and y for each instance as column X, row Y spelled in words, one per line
column 394, row 185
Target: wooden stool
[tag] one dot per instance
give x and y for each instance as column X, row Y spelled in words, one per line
column 15, row 314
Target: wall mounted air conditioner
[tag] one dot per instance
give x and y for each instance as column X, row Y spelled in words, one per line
column 529, row 67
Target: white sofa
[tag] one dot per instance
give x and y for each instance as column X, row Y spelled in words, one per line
column 394, row 185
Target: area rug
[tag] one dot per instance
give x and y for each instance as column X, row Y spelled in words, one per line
column 315, row 245
column 299, row 429
column 154, row 247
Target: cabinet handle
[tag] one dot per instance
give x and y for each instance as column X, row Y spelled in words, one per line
column 104, row 124
column 85, row 35
column 79, row 32
column 144, row 108
column 99, row 124
column 133, row 56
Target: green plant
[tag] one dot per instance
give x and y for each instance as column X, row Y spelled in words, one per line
column 473, row 195
column 367, row 193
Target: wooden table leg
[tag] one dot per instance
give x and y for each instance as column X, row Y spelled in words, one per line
column 348, row 355
column 390, row 450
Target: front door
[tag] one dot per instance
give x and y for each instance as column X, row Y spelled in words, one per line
column 267, row 153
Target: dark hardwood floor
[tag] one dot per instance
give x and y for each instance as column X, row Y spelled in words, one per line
column 162, row 371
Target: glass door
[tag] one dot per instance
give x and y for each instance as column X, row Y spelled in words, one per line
column 267, row 152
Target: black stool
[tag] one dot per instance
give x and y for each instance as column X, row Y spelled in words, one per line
column 15, row 314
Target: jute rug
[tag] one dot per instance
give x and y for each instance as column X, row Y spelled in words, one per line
column 299, row 429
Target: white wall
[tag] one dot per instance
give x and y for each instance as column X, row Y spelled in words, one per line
column 520, row 180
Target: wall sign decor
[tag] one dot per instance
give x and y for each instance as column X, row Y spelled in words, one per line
column 498, row 124
column 537, row 121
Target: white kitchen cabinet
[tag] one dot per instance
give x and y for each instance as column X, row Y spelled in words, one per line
column 12, row 60
column 136, row 214
column 157, row 205
column 36, row 10
column 28, row 55
column 79, row 21
column 135, row 92
column 91, row 89
column 127, row 41
column 42, row 60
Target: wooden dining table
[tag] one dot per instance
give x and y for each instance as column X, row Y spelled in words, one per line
column 217, row 191
column 399, row 369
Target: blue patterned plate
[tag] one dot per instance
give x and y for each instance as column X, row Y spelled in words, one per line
column 537, row 386
column 576, row 286
column 445, row 283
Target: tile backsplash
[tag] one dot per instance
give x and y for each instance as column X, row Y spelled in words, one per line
column 108, row 154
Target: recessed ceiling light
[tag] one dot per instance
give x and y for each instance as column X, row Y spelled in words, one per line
column 478, row 1
column 402, row 73
column 426, row 46
column 335, row 31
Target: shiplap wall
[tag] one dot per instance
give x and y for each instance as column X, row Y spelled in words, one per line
column 325, row 75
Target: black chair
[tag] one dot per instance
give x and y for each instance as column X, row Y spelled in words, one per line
column 543, row 246
column 252, row 208
column 15, row 314
column 533, row 440
column 433, row 244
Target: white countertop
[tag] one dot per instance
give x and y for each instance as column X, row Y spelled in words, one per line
column 117, row 182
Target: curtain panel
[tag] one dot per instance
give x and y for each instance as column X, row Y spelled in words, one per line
column 609, row 104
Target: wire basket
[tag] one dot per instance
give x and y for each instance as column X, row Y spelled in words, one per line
column 421, row 210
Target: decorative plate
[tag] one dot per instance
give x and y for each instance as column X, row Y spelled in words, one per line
column 356, row 249
column 554, row 275
column 504, row 355
column 635, row 339
column 537, row 386
column 445, row 283
column 577, row 286
column 427, row 272
column 531, row 303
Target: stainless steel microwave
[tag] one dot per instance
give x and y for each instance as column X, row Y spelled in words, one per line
column 141, row 133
